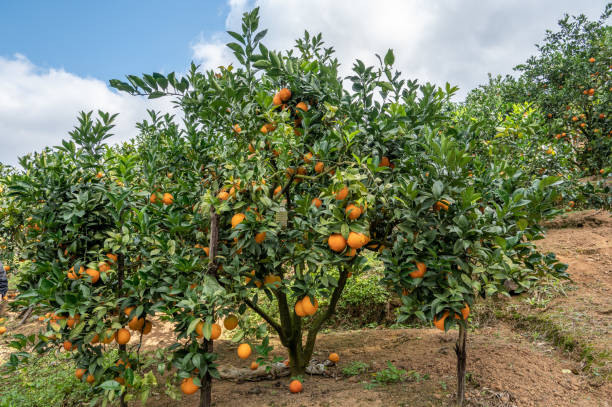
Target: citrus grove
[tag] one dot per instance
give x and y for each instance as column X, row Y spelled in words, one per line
column 278, row 181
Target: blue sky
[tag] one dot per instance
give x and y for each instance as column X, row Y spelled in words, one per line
column 56, row 56
column 108, row 39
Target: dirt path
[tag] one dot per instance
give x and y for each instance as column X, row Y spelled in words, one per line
column 508, row 365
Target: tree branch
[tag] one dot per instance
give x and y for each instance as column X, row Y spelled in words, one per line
column 316, row 325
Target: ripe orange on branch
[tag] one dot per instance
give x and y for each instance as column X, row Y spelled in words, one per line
column 237, row 219
column 336, row 242
column 420, row 271
column 188, row 387
column 357, row 240
column 439, row 323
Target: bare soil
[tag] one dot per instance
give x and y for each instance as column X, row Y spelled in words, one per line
column 508, row 365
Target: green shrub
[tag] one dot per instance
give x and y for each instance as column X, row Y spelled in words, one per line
column 355, row 368
column 47, row 381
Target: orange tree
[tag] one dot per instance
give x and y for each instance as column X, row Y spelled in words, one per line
column 303, row 175
column 569, row 82
column 108, row 256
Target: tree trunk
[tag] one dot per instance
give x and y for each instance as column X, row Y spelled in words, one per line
column 122, row 348
column 461, row 361
column 206, row 390
column 297, row 358
column 26, row 315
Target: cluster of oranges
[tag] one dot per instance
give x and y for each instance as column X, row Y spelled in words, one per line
column 439, row 322
column 166, row 198
column 103, row 267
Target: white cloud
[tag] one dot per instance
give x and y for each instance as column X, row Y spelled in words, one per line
column 439, row 41
column 39, row 106
column 211, row 53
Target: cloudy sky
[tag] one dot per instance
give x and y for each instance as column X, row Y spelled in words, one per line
column 56, row 57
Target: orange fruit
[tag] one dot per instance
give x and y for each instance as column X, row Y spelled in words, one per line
column 574, row 118
column 277, row 190
column 277, row 100
column 90, row 379
column 123, row 336
column 308, row 158
column 420, row 271
column 79, row 373
column 103, row 267
column 99, row 175
column 215, row 331
column 153, row 198
column 352, row 211
column 108, row 336
column 316, row 202
column 136, row 324
column 188, row 387
column 299, row 309
column 254, row 365
column 591, row 60
column 351, row 253
column 384, row 162
column 260, row 237
column 237, row 219
column 319, row 167
column 95, row 339
column 591, row 91
column 334, row 357
column 296, row 386
column 68, row 346
column 2, row 330
column 602, row 115
column 308, row 307
column 94, row 274
column 237, row 128
column 71, row 321
column 244, row 350
column 147, row 328
column 223, row 195
column 357, row 240
column 284, row 94
column 439, row 323
column 199, row 329
column 336, row 242
column 167, row 199
column 301, row 106
column 231, row 322
column 342, row 194
column 113, row 257
column 465, row 312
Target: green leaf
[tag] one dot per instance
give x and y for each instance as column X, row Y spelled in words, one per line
column 193, row 325
column 235, row 47
column 437, row 189
column 389, row 57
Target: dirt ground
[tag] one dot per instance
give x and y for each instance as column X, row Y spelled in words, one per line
column 507, row 365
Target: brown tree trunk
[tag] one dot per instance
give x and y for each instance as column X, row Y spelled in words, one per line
column 206, row 389
column 122, row 348
column 461, row 361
